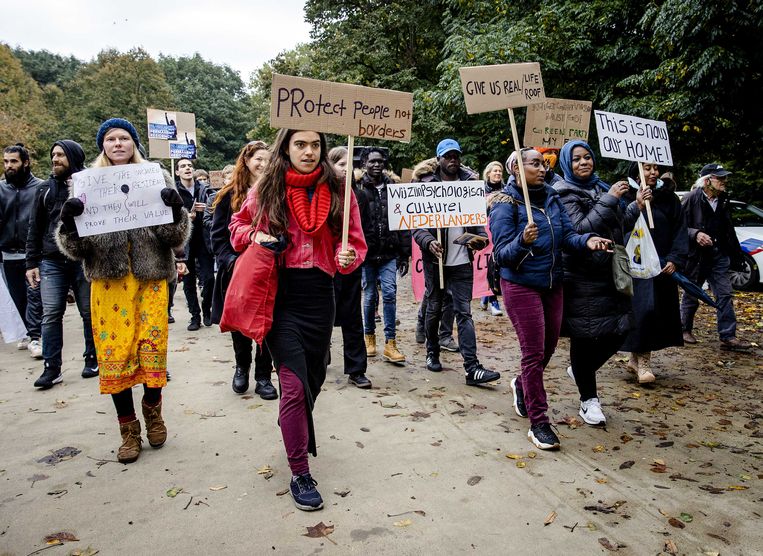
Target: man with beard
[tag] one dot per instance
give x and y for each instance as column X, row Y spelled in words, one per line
column 17, row 194
column 457, row 270
column 52, row 272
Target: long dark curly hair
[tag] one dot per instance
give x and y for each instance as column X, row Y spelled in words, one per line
column 271, row 188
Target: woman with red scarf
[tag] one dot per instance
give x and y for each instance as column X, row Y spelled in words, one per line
column 296, row 209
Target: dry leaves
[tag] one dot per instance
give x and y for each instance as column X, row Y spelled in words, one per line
column 604, row 541
column 403, row 523
column 320, row 530
column 216, row 488
column 473, row 480
column 627, row 464
column 60, row 537
column 174, row 491
column 670, row 547
column 549, row 519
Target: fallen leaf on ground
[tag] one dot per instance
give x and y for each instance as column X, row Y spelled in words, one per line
column 686, row 518
column 216, row 488
column 282, row 492
column 722, row 539
column 365, row 429
column 473, row 480
column 513, row 456
column 624, row 438
column 342, row 493
column 572, row 422
column 599, row 449
column 403, row 523
column 602, row 481
column 89, row 551
column 627, row 464
column 254, row 406
column 677, row 523
column 174, row 491
column 532, row 455
column 737, row 487
column 670, row 547
column 60, row 537
column 320, row 530
column 549, row 519
column 667, row 444
column 521, row 464
column 62, row 454
column 360, row 445
column 604, row 541
column 264, row 470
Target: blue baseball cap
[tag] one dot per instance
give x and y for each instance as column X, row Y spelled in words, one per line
column 447, row 145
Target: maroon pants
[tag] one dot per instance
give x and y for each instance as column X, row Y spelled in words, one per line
column 292, row 416
column 537, row 319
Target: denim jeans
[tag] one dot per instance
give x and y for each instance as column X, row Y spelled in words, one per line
column 26, row 298
column 715, row 270
column 458, row 281
column 56, row 278
column 385, row 272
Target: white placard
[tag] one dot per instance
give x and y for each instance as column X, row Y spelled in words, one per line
column 12, row 327
column 631, row 138
column 446, row 204
column 120, row 198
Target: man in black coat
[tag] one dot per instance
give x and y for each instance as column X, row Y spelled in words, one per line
column 713, row 249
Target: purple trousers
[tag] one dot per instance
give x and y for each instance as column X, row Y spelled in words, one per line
column 537, row 319
column 292, row 417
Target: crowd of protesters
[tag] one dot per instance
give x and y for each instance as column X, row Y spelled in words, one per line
column 283, row 205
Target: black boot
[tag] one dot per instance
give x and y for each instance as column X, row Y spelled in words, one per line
column 240, row 380
column 265, row 389
column 195, row 323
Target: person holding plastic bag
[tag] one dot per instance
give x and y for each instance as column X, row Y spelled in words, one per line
column 597, row 315
column 655, row 300
column 297, row 209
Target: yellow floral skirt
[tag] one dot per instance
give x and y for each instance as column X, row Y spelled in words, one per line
column 130, row 332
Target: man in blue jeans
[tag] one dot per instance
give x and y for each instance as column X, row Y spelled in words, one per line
column 388, row 252
column 52, row 272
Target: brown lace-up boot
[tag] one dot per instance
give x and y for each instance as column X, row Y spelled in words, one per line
column 156, row 432
column 131, row 441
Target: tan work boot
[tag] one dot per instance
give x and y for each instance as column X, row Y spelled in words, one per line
column 156, row 432
column 645, row 374
column 633, row 363
column 131, row 441
column 370, row 345
column 391, row 353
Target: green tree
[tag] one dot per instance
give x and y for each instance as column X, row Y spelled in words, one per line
column 48, row 68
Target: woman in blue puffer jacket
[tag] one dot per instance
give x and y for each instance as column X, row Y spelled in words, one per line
column 530, row 258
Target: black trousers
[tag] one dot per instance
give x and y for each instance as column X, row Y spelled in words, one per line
column 201, row 266
column 348, row 296
column 263, row 363
column 587, row 355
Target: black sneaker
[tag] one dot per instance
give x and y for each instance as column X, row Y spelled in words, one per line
column 519, row 398
column 194, row 325
column 265, row 389
column 90, row 370
column 543, row 437
column 433, row 362
column 421, row 337
column 306, row 496
column 170, row 318
column 48, row 378
column 480, row 375
column 360, row 380
column 240, row 380
column 208, row 319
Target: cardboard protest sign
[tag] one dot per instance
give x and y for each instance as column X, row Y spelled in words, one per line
column 216, row 179
column 406, row 175
column 555, row 121
column 490, row 88
column 171, row 134
column 353, row 110
column 631, row 138
column 120, row 198
column 436, row 205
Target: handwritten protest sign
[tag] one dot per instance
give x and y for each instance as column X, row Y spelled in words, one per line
column 631, row 138
column 171, row 134
column 490, row 88
column 555, row 121
column 216, row 180
column 436, row 205
column 120, row 198
column 353, row 110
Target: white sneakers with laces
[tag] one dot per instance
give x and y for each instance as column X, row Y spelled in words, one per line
column 590, row 411
column 35, row 349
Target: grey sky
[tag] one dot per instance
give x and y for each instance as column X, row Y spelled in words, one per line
column 243, row 34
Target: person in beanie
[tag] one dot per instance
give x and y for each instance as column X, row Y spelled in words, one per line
column 297, row 205
column 129, row 271
column 50, row 270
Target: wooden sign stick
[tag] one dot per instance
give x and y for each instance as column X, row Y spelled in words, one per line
column 347, row 192
column 521, row 166
column 647, row 203
column 439, row 263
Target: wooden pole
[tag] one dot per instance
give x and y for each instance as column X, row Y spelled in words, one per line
column 648, row 204
column 439, row 263
column 347, row 192
column 521, row 166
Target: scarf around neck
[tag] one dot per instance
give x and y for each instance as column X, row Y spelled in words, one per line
column 565, row 161
column 310, row 214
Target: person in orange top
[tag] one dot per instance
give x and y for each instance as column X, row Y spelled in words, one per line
column 299, row 204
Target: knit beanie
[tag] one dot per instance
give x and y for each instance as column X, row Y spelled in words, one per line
column 116, row 123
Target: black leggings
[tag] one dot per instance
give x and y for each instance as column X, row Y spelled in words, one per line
column 587, row 355
column 123, row 401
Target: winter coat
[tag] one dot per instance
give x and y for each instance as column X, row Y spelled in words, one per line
column 199, row 239
column 538, row 265
column 425, row 236
column 16, row 206
column 147, row 252
column 695, row 209
column 592, row 305
column 383, row 244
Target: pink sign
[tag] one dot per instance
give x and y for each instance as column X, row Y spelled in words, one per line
column 480, row 287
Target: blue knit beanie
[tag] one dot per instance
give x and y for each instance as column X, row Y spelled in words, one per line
column 116, row 123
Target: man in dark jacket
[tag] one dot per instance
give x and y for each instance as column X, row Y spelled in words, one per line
column 388, row 253
column 458, row 273
column 17, row 194
column 200, row 262
column 52, row 272
column 713, row 248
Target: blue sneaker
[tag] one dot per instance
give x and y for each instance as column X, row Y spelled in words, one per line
column 306, row 496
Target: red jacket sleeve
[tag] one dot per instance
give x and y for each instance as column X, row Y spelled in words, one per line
column 241, row 224
column 355, row 239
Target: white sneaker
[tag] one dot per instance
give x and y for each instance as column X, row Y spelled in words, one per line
column 23, row 343
column 35, row 349
column 590, row 411
column 571, row 374
column 495, row 310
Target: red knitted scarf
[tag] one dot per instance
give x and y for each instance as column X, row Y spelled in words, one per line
column 310, row 215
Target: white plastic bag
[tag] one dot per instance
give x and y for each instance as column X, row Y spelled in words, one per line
column 642, row 254
column 11, row 325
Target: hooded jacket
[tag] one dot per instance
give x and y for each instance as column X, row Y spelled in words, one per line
column 383, row 244
column 16, row 205
column 46, row 212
